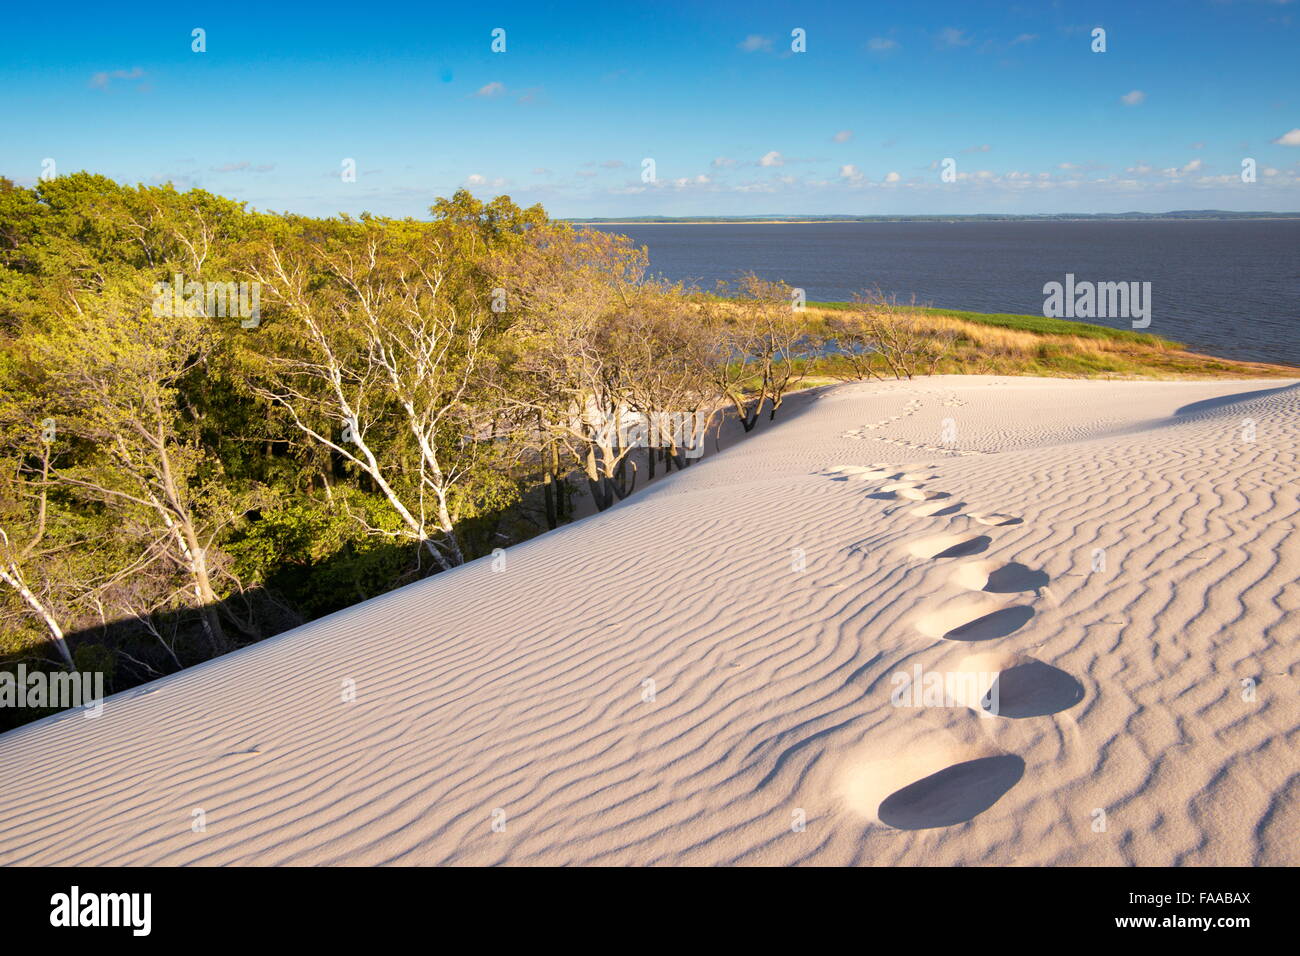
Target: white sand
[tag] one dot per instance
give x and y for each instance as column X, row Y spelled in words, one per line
column 518, row 695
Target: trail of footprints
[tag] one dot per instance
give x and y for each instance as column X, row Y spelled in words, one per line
column 941, row 781
column 913, row 405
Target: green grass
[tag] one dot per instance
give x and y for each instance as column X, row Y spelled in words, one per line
column 1037, row 324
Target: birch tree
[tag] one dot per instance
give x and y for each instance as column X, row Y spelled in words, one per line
column 112, row 370
column 25, row 503
column 570, row 371
column 373, row 351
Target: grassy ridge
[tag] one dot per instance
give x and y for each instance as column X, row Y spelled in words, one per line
column 1037, row 324
column 1009, row 344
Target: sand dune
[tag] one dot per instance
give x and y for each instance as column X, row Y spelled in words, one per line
column 709, row 673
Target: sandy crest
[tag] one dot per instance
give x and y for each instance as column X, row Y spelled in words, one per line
column 1119, row 558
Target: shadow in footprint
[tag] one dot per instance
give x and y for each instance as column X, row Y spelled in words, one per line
column 997, row 520
column 933, row 511
column 976, row 545
column 920, row 494
column 998, row 624
column 1014, row 577
column 1032, row 689
column 953, row 795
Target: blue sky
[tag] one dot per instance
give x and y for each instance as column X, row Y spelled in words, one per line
column 734, row 120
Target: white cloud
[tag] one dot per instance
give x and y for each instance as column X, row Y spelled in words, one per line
column 843, row 136
column 1193, row 166
column 983, row 148
column 244, row 166
column 474, row 179
column 772, row 159
column 495, row 88
column 952, row 37
column 850, row 173
column 881, row 44
column 1289, row 139
column 1133, row 98
column 1025, row 38
column 103, row 79
column 723, row 162
column 755, row 43
column 892, row 177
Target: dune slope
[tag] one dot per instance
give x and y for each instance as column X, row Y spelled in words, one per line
column 723, row 669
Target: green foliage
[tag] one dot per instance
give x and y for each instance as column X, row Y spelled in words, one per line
column 96, row 659
column 178, row 498
column 317, row 555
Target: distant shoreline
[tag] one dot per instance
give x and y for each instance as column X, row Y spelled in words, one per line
column 1274, row 217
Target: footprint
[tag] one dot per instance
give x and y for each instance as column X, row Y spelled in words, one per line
column 996, row 520
column 997, row 577
column 861, row 472
column 949, row 545
column 909, row 490
column 1032, row 689
column 1007, row 683
column 898, row 485
column 920, row 494
column 954, row 795
column 855, row 469
column 921, row 778
column 975, row 618
column 937, row 509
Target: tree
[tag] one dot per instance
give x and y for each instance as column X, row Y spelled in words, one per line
column 665, row 347
column 116, row 375
column 568, row 372
column 111, row 372
column 374, row 354
column 896, row 333
column 758, row 345
column 25, row 503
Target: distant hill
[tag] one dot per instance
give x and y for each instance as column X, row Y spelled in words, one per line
column 977, row 217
